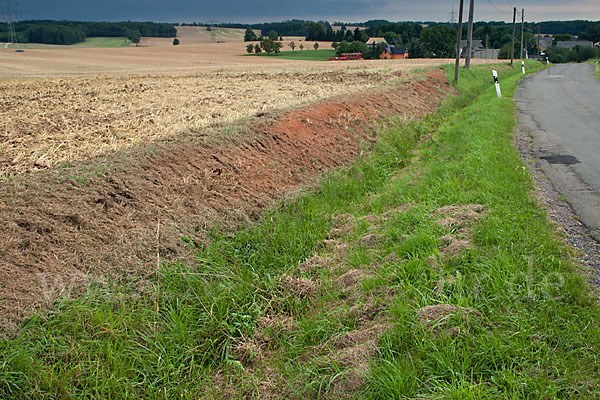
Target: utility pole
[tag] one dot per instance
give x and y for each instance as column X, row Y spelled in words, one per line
column 470, row 34
column 538, row 41
column 522, row 30
column 512, row 47
column 458, row 39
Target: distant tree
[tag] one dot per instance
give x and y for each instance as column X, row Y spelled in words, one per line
column 249, row 36
column 175, row 42
column 273, row 36
column 392, row 38
column 250, row 48
column 277, row 46
column 301, row 47
column 414, row 49
column 292, row 45
column 438, row 41
column 349, row 37
column 268, row 45
column 334, row 44
column 257, row 48
column 593, row 33
column 316, row 46
column 280, row 38
column 504, row 53
column 562, row 38
column 315, row 31
column 134, row 37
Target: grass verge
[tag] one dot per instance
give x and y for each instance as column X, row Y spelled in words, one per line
column 427, row 270
column 311, row 55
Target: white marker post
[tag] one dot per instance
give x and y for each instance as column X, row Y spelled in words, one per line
column 523, row 66
column 547, row 62
column 497, row 83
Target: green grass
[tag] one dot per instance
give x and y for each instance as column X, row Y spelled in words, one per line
column 311, row 55
column 91, row 42
column 172, row 335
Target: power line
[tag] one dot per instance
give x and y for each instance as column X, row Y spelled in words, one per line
column 497, row 9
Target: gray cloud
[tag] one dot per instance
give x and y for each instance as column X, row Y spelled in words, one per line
column 273, row 10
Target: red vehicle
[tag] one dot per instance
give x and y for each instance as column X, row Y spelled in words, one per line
column 347, row 57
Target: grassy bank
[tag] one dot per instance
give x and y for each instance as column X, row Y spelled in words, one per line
column 311, row 55
column 427, row 270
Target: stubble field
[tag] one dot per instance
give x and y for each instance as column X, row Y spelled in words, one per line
column 48, row 122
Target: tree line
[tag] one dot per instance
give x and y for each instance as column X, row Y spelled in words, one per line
column 71, row 32
column 408, row 30
column 434, row 40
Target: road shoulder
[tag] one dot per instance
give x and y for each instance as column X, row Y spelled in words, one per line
column 560, row 212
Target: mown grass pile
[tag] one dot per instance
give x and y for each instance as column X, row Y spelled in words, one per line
column 427, row 270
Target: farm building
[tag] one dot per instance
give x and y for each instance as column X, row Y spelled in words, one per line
column 572, row 43
column 544, row 42
column 394, row 53
column 478, row 50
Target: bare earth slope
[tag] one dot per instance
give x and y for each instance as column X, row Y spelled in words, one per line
column 101, row 217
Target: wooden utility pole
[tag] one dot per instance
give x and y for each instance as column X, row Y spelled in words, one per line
column 538, row 41
column 512, row 47
column 458, row 39
column 470, row 35
column 522, row 30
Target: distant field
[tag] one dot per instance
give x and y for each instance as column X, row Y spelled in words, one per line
column 200, row 34
column 311, row 55
column 92, row 42
column 104, row 42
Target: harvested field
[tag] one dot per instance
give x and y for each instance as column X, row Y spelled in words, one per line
column 206, row 57
column 64, row 226
column 45, row 124
column 199, row 34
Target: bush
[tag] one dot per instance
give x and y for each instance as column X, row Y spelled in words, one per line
column 354, row 47
column 576, row 54
column 175, row 42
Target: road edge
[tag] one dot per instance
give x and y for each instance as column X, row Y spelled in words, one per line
column 574, row 233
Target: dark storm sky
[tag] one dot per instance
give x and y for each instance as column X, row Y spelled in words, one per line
column 276, row 10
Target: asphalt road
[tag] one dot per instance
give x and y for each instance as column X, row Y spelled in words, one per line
column 560, row 108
